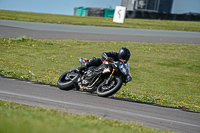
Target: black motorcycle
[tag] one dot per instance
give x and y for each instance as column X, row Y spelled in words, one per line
column 105, row 79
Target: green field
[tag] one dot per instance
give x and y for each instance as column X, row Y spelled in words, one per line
column 24, row 119
column 100, row 21
column 165, row 74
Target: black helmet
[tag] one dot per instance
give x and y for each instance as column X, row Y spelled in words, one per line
column 124, row 54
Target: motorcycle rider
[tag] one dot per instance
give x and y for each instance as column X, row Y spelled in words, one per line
column 123, row 53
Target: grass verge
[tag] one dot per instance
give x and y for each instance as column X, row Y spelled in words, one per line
column 22, row 119
column 100, row 21
column 165, row 74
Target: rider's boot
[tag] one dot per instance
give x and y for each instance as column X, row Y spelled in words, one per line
column 83, row 66
column 92, row 62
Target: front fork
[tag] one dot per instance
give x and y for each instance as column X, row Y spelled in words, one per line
column 110, row 77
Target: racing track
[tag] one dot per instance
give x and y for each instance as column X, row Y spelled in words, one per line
column 151, row 115
column 30, row 93
column 13, row 29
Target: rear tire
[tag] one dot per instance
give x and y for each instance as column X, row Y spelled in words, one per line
column 105, row 93
column 65, row 83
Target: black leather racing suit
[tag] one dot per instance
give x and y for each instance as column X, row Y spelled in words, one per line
column 110, row 56
column 105, row 56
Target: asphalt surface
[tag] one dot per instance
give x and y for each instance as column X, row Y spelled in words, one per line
column 13, row 29
column 29, row 93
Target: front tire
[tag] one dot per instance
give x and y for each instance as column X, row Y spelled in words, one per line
column 66, row 83
column 117, row 83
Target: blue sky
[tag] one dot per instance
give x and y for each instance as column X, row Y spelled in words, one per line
column 65, row 7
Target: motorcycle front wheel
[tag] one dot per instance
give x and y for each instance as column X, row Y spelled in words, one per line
column 105, row 90
column 65, row 80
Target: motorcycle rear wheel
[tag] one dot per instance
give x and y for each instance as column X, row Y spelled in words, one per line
column 105, row 93
column 66, row 83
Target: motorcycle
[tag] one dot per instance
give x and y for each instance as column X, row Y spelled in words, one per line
column 106, row 79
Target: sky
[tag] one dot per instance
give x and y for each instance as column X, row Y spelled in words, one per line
column 65, row 7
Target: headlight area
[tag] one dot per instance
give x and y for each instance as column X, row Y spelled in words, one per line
column 123, row 68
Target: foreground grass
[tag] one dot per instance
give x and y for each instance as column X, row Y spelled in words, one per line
column 17, row 118
column 166, row 74
column 100, row 21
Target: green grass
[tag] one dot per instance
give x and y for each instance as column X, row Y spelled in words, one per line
column 100, row 21
column 165, row 74
column 17, row 118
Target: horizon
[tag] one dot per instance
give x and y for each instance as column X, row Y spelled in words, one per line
column 63, row 7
